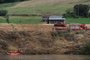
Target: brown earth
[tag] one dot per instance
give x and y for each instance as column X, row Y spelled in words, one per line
column 29, row 27
column 26, row 27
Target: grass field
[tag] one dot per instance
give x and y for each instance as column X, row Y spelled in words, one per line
column 22, row 20
column 41, row 6
column 50, row 7
column 38, row 20
column 78, row 20
column 7, row 5
column 43, row 9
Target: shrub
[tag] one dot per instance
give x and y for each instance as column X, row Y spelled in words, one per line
column 86, row 49
column 81, row 10
column 3, row 44
column 88, row 14
column 70, row 13
column 8, row 1
column 3, row 12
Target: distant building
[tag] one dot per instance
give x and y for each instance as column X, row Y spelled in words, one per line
column 53, row 19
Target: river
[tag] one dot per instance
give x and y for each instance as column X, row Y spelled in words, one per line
column 46, row 57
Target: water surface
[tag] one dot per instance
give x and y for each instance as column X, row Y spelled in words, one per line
column 45, row 57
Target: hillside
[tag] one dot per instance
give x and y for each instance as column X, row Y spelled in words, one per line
column 44, row 6
column 42, row 2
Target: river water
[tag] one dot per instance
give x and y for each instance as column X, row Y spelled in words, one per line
column 45, row 57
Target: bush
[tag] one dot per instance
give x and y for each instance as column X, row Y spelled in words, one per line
column 8, row 1
column 3, row 12
column 88, row 14
column 81, row 10
column 70, row 13
column 86, row 49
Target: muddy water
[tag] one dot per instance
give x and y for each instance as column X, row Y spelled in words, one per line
column 45, row 57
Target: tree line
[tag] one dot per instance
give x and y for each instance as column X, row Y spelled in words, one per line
column 8, row 1
column 79, row 10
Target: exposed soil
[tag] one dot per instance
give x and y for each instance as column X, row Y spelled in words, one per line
column 28, row 27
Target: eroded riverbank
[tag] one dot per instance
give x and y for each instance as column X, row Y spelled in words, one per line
column 41, row 42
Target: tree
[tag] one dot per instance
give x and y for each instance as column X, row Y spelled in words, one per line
column 69, row 13
column 3, row 12
column 8, row 1
column 81, row 10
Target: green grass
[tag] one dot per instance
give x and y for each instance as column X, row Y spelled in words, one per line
column 2, row 20
column 7, row 5
column 42, row 9
column 37, row 20
column 51, row 9
column 78, row 20
column 22, row 20
column 55, row 8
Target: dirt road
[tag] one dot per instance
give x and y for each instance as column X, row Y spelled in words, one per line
column 26, row 27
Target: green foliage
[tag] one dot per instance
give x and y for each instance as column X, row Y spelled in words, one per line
column 88, row 14
column 69, row 13
column 3, row 12
column 7, row 1
column 81, row 10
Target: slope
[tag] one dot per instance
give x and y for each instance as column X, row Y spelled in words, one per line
column 44, row 6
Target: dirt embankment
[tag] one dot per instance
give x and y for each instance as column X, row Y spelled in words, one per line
column 29, row 27
column 42, row 41
column 26, row 27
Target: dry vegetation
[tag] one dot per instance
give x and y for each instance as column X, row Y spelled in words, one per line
column 42, row 40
